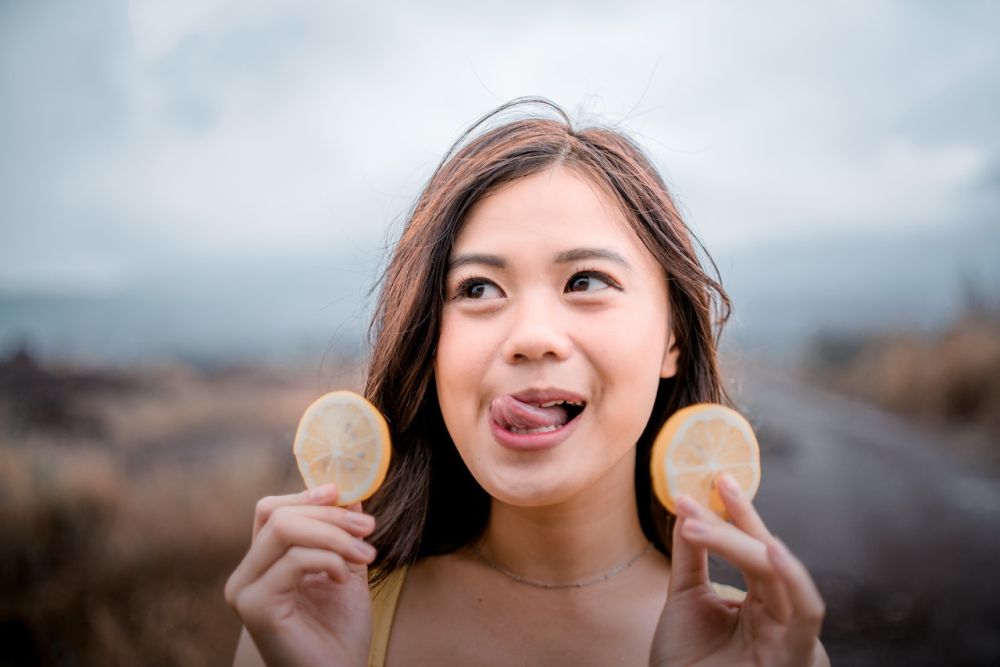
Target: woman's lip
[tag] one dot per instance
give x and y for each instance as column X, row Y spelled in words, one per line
column 545, row 395
column 526, row 442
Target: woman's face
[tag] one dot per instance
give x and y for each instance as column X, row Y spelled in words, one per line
column 555, row 333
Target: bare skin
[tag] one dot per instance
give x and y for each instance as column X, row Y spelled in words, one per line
column 642, row 616
column 493, row 620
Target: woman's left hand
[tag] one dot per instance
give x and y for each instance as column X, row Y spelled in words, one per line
column 778, row 623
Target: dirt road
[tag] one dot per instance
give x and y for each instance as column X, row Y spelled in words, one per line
column 901, row 536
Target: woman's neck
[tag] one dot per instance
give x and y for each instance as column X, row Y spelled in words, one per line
column 574, row 541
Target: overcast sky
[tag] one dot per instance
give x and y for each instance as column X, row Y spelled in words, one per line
column 141, row 139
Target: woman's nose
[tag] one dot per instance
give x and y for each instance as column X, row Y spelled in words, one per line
column 537, row 331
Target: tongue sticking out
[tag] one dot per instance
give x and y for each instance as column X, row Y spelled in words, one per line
column 510, row 413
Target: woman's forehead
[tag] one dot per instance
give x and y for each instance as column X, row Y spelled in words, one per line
column 556, row 206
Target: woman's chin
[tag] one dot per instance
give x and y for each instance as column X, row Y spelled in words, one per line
column 533, row 491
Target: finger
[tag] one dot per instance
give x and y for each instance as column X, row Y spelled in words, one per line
column 325, row 494
column 688, row 563
column 288, row 530
column 808, row 608
column 740, row 508
column 705, row 528
column 742, row 550
column 286, row 575
column 291, row 526
column 356, row 523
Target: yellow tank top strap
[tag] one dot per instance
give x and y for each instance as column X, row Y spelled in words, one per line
column 384, row 599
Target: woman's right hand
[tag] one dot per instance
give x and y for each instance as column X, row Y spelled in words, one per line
column 302, row 588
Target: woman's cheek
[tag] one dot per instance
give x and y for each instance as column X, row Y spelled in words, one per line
column 630, row 372
column 458, row 373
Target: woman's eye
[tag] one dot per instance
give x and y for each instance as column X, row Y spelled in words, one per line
column 477, row 288
column 588, row 282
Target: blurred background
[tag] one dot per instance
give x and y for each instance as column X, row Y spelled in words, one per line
column 196, row 199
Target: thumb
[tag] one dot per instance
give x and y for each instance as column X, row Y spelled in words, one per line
column 688, row 563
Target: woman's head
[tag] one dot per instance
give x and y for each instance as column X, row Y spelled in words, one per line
column 430, row 502
column 555, row 332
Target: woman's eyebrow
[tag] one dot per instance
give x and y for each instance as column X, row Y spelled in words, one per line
column 477, row 258
column 577, row 254
column 565, row 257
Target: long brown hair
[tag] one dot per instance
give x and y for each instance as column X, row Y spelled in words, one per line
column 430, row 503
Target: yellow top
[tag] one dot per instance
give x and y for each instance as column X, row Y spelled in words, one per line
column 384, row 608
column 384, row 600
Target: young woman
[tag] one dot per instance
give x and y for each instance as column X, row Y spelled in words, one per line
column 543, row 313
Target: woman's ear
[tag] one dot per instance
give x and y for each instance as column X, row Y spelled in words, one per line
column 669, row 367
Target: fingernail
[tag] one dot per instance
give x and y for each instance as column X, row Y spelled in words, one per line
column 320, row 492
column 688, row 505
column 729, row 485
column 362, row 521
column 779, row 550
column 363, row 549
column 694, row 527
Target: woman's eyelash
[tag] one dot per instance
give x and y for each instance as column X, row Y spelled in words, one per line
column 462, row 290
column 594, row 273
column 464, row 285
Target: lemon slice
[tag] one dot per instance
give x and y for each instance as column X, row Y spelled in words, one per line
column 343, row 439
column 696, row 445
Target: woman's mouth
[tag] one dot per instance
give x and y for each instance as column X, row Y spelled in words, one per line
column 535, row 419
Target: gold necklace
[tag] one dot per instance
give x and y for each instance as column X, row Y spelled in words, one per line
column 621, row 567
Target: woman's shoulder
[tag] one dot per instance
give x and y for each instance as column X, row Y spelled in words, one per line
column 388, row 583
column 385, row 591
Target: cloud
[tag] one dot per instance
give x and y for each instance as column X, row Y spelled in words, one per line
column 146, row 135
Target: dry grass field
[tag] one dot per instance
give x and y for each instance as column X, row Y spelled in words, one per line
column 126, row 500
column 948, row 381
